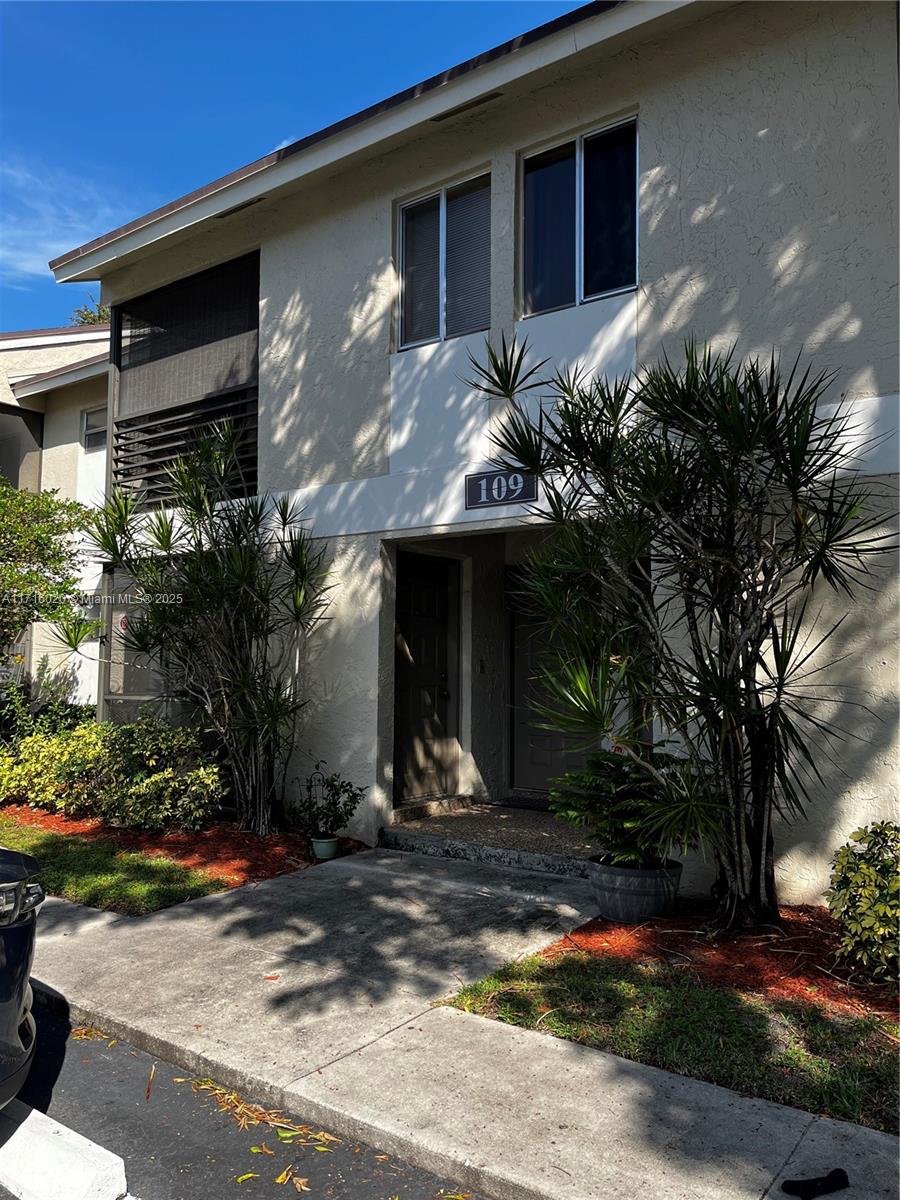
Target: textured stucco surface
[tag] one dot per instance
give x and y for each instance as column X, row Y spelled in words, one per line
column 75, row 474
column 64, row 464
column 768, row 182
column 34, row 360
column 768, row 217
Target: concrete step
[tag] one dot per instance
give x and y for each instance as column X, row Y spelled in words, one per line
column 396, row 837
column 434, row 806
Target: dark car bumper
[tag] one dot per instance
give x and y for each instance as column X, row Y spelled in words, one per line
column 17, row 1029
column 11, row 1085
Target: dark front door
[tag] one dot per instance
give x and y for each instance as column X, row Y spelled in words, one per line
column 426, row 677
column 538, row 754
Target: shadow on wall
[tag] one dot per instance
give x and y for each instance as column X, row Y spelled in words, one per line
column 856, row 693
column 777, row 226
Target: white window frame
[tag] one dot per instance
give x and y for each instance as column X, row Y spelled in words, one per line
column 87, row 412
column 580, row 296
column 441, row 193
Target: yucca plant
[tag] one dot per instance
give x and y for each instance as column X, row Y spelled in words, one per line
column 691, row 510
column 232, row 590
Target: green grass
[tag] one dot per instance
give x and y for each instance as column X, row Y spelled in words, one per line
column 101, row 875
column 839, row 1065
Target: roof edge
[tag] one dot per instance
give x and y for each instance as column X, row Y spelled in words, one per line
column 47, row 381
column 75, row 332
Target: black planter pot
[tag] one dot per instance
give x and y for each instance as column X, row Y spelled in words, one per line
column 629, row 895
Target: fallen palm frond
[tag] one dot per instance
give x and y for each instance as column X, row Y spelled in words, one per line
column 248, row 1115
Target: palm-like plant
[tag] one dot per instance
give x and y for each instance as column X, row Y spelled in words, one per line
column 692, row 510
column 231, row 589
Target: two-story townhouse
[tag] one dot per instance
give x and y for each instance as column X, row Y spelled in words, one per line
column 53, row 426
column 605, row 185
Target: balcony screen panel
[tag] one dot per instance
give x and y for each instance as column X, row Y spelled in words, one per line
column 147, row 445
column 549, row 229
column 197, row 337
column 468, row 266
column 420, row 313
column 610, row 210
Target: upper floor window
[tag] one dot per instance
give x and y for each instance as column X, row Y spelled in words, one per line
column 580, row 219
column 93, row 429
column 445, row 263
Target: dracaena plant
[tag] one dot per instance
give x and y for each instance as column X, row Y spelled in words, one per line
column 690, row 512
column 233, row 590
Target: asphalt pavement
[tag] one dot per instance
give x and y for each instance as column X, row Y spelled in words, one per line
column 177, row 1144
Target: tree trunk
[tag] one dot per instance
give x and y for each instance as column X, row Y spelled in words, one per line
column 746, row 890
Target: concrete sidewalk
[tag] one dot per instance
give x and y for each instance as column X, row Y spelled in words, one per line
column 315, row 992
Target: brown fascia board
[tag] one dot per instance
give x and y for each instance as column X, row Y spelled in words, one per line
column 585, row 13
column 55, row 331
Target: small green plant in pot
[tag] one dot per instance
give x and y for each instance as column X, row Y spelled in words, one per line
column 326, row 805
column 639, row 810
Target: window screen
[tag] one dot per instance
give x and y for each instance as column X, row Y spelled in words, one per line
column 610, row 204
column 468, row 257
column 549, row 229
column 194, row 338
column 421, row 309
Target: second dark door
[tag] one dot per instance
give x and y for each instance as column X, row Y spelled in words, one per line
column 426, row 677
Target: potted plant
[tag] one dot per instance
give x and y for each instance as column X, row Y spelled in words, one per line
column 637, row 810
column 327, row 804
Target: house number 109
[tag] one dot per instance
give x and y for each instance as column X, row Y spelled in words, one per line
column 491, row 488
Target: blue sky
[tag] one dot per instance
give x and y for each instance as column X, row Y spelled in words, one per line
column 110, row 109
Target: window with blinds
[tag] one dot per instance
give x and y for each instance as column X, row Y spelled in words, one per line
column 185, row 358
column 445, row 256
column 580, row 220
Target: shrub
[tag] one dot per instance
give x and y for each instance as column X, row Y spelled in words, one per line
column 48, row 712
column 864, row 899
column 640, row 811
column 168, row 798
column 328, row 803
column 609, row 797
column 146, row 774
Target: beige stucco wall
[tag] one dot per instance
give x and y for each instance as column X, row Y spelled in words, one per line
column 768, row 180
column 65, row 465
column 76, row 474
column 19, row 362
column 768, row 217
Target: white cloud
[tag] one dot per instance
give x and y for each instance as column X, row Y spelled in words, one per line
column 281, row 145
column 46, row 211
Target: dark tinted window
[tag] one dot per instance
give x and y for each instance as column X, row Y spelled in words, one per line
column 420, row 315
column 468, row 255
column 201, row 310
column 610, row 203
column 549, row 233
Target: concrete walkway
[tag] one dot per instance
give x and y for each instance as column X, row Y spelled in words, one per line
column 314, row 992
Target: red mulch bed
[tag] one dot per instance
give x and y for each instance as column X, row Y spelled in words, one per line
column 794, row 963
column 226, row 852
